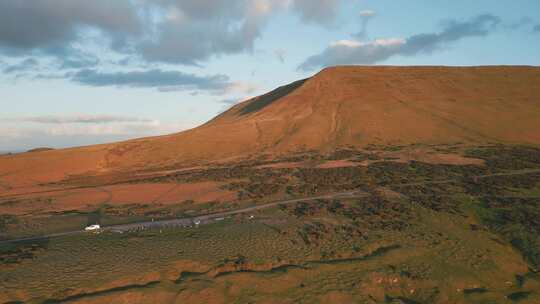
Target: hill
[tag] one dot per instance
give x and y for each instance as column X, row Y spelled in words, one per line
column 338, row 107
column 357, row 185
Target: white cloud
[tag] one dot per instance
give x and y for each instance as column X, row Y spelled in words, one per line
column 84, row 124
column 375, row 43
column 345, row 52
column 367, row 13
column 79, row 118
column 346, row 43
column 64, row 131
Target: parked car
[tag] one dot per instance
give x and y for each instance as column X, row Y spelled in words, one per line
column 92, row 227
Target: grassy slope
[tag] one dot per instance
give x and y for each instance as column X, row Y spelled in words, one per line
column 338, row 107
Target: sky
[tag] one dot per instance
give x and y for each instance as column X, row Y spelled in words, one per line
column 79, row 72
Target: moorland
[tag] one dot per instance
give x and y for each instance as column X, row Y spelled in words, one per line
column 358, row 185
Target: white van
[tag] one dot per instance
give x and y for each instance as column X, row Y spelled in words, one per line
column 92, row 227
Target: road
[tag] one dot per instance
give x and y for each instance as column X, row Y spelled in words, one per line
column 201, row 220
column 204, row 219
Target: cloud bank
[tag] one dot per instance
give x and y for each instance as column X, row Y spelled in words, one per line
column 80, row 119
column 23, row 66
column 52, row 39
column 22, row 133
column 156, row 78
column 357, row 52
column 174, row 31
column 34, row 24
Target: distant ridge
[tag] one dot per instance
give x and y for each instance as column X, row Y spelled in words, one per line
column 41, row 149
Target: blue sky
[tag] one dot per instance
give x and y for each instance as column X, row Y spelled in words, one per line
column 77, row 72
